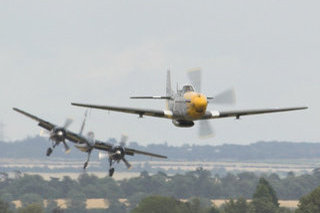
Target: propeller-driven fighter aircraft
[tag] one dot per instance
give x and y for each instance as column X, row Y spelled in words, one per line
column 116, row 153
column 188, row 105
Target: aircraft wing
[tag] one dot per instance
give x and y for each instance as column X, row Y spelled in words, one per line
column 43, row 123
column 71, row 136
column 102, row 146
column 239, row 113
column 108, row 147
column 74, row 137
column 134, row 151
column 140, row 112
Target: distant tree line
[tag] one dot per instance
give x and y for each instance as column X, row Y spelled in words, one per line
column 199, row 183
column 35, row 147
column 264, row 200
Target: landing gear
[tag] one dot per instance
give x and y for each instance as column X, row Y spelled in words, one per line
column 49, row 151
column 111, row 171
column 85, row 165
column 87, row 162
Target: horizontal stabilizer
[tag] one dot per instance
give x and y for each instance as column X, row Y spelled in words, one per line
column 152, row 97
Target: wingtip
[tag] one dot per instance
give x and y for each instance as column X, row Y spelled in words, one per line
column 76, row 104
column 16, row 109
column 302, row 108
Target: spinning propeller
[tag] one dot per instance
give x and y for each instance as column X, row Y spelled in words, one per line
column 58, row 134
column 117, row 152
column 226, row 97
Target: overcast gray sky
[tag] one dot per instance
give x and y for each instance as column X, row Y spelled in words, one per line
column 56, row 52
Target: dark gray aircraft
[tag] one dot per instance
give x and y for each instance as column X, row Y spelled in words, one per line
column 116, row 153
column 188, row 105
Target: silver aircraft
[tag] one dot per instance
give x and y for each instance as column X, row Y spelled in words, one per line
column 188, row 104
column 116, row 153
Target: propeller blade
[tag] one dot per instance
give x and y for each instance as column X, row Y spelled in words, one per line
column 123, row 140
column 66, row 147
column 44, row 132
column 225, row 97
column 102, row 155
column 128, row 165
column 67, row 123
column 205, row 129
column 195, row 78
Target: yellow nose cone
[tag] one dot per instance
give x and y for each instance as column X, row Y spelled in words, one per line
column 199, row 103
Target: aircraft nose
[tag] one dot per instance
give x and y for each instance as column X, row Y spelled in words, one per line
column 200, row 102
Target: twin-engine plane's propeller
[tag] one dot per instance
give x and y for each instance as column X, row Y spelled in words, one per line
column 226, row 97
column 122, row 143
column 116, row 153
column 57, row 135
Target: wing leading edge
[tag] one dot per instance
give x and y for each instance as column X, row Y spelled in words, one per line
column 42, row 123
column 108, row 147
column 140, row 112
column 239, row 113
column 134, row 151
column 71, row 136
column 208, row 115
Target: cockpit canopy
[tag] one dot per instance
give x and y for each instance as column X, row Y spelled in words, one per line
column 187, row 88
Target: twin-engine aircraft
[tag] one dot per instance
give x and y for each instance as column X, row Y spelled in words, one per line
column 188, row 105
column 57, row 135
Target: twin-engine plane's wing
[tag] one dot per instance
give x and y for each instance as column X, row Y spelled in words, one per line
column 239, row 113
column 134, row 151
column 44, row 124
column 108, row 147
column 140, row 112
column 71, row 136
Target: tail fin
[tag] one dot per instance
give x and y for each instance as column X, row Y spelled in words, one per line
column 83, row 122
column 169, row 92
column 168, row 84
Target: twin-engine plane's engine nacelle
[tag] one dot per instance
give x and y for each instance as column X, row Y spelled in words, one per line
column 58, row 134
column 117, row 152
column 183, row 123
